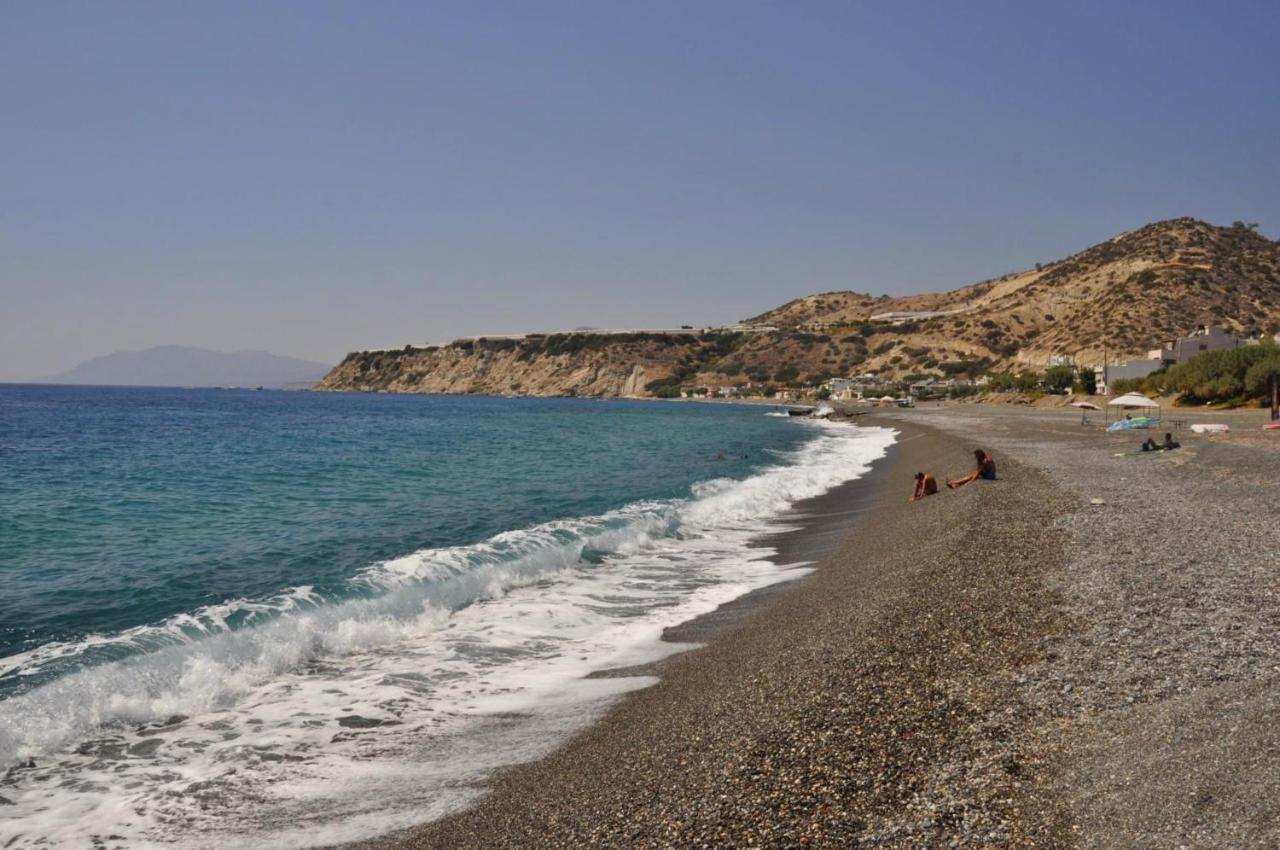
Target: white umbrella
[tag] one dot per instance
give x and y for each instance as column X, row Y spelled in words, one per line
column 1132, row 400
column 1085, row 405
column 1135, row 400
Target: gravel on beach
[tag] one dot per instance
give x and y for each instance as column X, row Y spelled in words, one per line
column 1007, row 665
column 1165, row 695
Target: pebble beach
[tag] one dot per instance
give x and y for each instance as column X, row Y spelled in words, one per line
column 1084, row 653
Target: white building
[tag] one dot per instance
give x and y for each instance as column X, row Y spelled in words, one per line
column 1204, row 338
column 1124, row 371
column 843, row 389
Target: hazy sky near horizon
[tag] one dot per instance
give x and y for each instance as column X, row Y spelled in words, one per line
column 311, row 178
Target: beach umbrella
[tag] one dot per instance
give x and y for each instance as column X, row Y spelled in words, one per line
column 1132, row 400
column 1135, row 400
column 1085, row 407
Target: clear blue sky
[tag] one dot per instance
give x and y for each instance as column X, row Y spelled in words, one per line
column 310, row 178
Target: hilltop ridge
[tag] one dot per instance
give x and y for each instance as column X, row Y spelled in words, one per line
column 1120, row 297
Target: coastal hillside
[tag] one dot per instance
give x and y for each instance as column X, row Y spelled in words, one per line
column 1121, row 297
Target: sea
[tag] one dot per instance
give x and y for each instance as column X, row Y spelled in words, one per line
column 294, row 619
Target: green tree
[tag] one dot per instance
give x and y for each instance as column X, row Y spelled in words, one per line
column 1026, row 381
column 1059, row 378
column 1088, row 383
column 1222, row 375
column 1001, row 383
column 1257, row 381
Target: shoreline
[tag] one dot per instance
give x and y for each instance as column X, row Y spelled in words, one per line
column 819, row 525
column 734, row 744
column 1081, row 654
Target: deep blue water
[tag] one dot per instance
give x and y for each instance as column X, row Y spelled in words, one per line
column 126, row 506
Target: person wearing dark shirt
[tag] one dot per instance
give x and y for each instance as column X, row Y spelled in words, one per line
column 986, row 470
column 1168, row 445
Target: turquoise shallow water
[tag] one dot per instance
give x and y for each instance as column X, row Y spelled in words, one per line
column 124, row 506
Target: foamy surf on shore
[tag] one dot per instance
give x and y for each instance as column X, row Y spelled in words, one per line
column 309, row 718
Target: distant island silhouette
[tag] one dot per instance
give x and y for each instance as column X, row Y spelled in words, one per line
column 183, row 366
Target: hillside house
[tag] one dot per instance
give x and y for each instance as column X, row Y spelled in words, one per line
column 1204, row 338
column 926, row 388
column 843, row 389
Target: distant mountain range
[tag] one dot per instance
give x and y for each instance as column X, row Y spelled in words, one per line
column 180, row 366
column 1125, row 296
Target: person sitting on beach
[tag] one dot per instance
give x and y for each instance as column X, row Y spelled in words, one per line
column 986, row 470
column 1168, row 445
column 926, row 485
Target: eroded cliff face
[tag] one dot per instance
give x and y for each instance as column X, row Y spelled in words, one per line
column 533, row 367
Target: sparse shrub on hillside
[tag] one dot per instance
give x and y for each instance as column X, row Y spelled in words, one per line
column 972, row 368
column 884, row 348
column 723, row 344
column 1001, row 382
column 786, row 374
column 665, row 387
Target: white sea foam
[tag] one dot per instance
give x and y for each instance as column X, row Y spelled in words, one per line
column 313, row 720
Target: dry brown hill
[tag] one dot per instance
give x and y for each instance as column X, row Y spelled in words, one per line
column 1125, row 296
